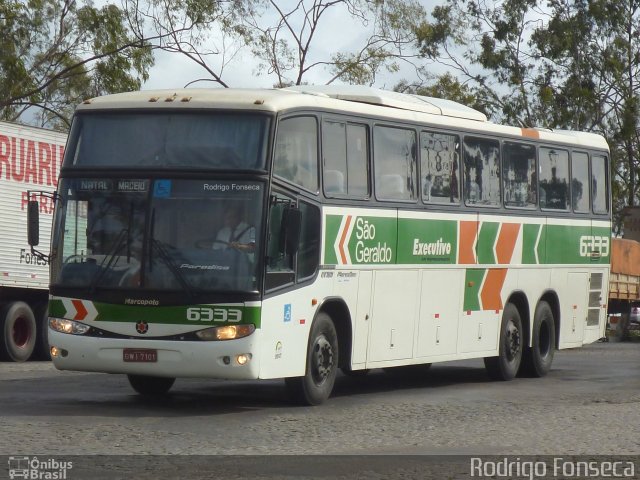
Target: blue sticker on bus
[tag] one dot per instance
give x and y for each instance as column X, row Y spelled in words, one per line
column 287, row 312
column 162, row 189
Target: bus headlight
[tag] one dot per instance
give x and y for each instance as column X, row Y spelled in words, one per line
column 228, row 332
column 68, row 326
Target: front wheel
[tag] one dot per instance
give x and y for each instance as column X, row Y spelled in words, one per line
column 505, row 366
column 322, row 364
column 538, row 358
column 150, row 386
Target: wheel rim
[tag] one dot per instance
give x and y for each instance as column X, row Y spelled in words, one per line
column 322, row 362
column 512, row 341
column 21, row 332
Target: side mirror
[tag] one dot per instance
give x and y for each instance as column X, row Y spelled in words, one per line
column 291, row 226
column 33, row 223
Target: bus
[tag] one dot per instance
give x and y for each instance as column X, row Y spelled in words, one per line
column 289, row 233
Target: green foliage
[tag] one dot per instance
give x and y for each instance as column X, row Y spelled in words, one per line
column 55, row 54
column 551, row 63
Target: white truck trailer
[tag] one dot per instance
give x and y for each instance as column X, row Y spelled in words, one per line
column 30, row 159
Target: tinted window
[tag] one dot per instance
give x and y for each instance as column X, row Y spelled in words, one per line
column 296, row 152
column 309, row 248
column 211, row 140
column 580, row 182
column 481, row 171
column 519, row 175
column 345, row 155
column 554, row 179
column 599, row 184
column 440, row 167
column 395, row 163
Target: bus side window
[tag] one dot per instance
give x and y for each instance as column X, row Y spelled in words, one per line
column 580, row 182
column 519, row 175
column 279, row 263
column 296, row 152
column 308, row 256
column 440, row 167
column 395, row 163
column 481, row 171
column 600, row 180
column 554, row 179
column 345, row 156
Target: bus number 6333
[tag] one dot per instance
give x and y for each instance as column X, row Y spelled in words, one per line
column 206, row 314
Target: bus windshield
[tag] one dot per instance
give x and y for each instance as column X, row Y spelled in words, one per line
column 185, row 235
column 169, row 140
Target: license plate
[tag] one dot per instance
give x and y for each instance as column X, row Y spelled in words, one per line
column 139, row 355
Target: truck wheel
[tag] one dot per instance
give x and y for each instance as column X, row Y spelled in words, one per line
column 41, row 351
column 537, row 359
column 322, row 364
column 505, row 366
column 18, row 332
column 150, row 386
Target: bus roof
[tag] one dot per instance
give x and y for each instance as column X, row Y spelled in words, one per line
column 349, row 99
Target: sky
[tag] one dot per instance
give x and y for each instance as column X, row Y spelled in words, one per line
column 336, row 32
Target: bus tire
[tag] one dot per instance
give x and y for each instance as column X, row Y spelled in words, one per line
column 321, row 366
column 18, row 332
column 537, row 359
column 506, row 365
column 42, row 350
column 150, row 386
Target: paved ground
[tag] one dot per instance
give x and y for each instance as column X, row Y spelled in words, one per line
column 588, row 404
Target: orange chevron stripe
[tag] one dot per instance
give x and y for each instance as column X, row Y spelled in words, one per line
column 343, row 239
column 507, row 242
column 468, row 234
column 491, row 289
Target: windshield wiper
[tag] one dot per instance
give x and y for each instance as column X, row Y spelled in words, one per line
column 166, row 258
column 122, row 236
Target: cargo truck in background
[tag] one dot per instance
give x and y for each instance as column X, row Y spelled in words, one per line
column 624, row 280
column 30, row 159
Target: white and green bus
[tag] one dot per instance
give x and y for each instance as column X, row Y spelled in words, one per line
column 289, row 233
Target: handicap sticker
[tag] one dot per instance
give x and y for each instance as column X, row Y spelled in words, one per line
column 162, row 189
column 287, row 312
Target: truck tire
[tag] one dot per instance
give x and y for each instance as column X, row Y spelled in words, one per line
column 41, row 351
column 18, row 329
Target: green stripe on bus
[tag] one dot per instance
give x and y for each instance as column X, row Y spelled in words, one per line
column 176, row 315
column 472, row 284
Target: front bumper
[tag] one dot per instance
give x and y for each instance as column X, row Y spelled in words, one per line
column 174, row 359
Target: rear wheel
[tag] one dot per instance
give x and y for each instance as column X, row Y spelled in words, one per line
column 537, row 359
column 505, row 366
column 322, row 364
column 18, row 332
column 150, row 386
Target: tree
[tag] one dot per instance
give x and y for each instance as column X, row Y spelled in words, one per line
column 567, row 65
column 54, row 54
column 283, row 39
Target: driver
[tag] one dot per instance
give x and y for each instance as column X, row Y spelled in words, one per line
column 236, row 233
